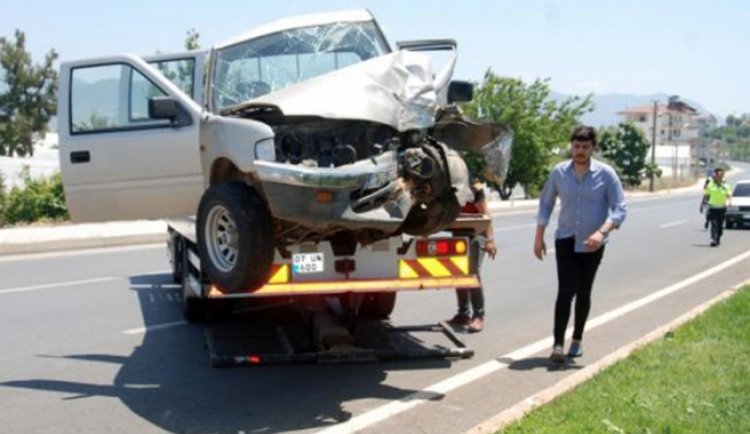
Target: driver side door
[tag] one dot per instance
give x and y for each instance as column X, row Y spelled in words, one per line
column 117, row 162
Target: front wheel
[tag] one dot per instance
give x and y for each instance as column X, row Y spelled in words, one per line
column 235, row 237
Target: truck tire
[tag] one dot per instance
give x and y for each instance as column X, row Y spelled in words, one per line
column 235, row 237
column 377, row 305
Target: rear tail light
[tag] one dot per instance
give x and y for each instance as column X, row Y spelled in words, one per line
column 441, row 247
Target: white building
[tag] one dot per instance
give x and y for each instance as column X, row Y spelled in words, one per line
column 678, row 129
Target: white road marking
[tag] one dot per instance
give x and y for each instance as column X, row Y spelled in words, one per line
column 443, row 387
column 672, row 224
column 143, row 330
column 80, row 252
column 57, row 285
column 75, row 282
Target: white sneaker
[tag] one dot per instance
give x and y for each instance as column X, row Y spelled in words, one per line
column 558, row 354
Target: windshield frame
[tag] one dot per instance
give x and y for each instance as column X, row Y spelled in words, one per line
column 219, row 73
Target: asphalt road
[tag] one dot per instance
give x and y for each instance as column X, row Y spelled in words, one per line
column 76, row 357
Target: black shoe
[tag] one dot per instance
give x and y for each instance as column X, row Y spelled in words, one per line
column 714, row 243
column 460, row 319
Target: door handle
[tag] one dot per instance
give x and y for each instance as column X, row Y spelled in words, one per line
column 80, row 157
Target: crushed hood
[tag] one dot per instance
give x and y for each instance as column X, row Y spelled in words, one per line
column 398, row 90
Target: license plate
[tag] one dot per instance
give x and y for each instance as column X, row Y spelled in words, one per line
column 303, row 263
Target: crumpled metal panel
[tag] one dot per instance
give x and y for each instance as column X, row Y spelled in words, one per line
column 395, row 90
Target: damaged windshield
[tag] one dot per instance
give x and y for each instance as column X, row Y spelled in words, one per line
column 272, row 62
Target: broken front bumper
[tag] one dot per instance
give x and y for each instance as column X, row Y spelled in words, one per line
column 322, row 198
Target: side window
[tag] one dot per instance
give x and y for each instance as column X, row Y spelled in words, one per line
column 111, row 97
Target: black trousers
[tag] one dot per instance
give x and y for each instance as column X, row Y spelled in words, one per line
column 716, row 217
column 473, row 298
column 575, row 277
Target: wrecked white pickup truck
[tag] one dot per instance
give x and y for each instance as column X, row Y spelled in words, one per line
column 306, row 130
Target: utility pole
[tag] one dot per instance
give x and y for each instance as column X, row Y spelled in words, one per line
column 653, row 151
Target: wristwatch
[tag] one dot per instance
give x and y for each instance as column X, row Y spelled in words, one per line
column 602, row 232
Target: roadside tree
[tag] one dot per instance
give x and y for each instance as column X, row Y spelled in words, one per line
column 28, row 96
column 626, row 147
column 541, row 125
column 735, row 135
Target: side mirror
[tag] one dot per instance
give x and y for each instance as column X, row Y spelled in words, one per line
column 162, row 107
column 460, row 91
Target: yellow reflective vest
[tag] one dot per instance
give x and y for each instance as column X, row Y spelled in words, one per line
column 718, row 194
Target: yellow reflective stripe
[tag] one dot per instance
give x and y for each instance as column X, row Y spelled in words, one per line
column 354, row 286
column 461, row 262
column 405, row 271
column 281, row 275
column 434, row 267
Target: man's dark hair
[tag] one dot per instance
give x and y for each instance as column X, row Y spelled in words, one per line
column 718, row 170
column 584, row 133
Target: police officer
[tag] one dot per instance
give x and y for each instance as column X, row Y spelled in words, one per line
column 716, row 195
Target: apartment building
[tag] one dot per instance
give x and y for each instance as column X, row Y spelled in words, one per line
column 680, row 139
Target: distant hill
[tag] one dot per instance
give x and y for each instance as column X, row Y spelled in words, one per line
column 607, row 105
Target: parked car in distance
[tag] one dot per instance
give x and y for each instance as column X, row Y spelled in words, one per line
column 738, row 211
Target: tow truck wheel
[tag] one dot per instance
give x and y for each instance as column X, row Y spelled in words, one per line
column 378, row 305
column 235, row 237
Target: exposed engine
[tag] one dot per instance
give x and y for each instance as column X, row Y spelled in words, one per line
column 431, row 176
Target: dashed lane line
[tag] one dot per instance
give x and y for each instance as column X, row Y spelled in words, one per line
column 673, row 224
column 57, row 285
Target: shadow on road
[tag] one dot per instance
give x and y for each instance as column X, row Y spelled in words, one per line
column 532, row 363
column 167, row 379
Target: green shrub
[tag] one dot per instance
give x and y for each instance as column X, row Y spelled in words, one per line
column 38, row 199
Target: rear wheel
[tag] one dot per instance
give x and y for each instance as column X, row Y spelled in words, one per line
column 235, row 237
column 377, row 305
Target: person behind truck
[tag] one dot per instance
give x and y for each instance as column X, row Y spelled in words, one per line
column 707, row 220
column 471, row 300
column 592, row 204
column 716, row 194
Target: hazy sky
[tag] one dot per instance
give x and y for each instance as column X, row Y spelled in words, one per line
column 695, row 49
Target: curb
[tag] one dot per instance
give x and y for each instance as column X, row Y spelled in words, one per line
column 37, row 239
column 519, row 410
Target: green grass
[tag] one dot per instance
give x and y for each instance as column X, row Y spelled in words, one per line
column 696, row 380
